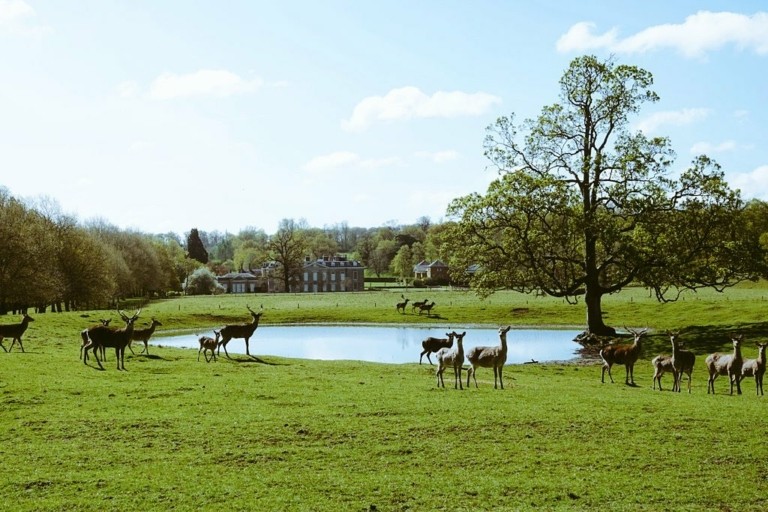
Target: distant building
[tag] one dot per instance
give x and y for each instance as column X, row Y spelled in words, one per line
column 436, row 271
column 336, row 274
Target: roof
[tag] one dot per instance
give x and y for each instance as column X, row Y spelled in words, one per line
column 422, row 266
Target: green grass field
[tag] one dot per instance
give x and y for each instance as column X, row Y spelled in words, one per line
column 171, row 433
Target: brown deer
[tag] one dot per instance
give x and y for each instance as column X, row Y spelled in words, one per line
column 625, row 354
column 144, row 335
column 417, row 305
column 15, row 331
column 432, row 345
column 208, row 344
column 427, row 308
column 244, row 331
column 489, row 357
column 682, row 361
column 401, row 305
column 109, row 337
column 726, row 364
column 86, row 340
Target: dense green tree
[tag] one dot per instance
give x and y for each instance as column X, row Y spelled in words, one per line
column 202, row 282
column 195, row 247
column 583, row 207
column 402, row 264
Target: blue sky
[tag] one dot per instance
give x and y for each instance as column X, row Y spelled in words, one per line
column 163, row 116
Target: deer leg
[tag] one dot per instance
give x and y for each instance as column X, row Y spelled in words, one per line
column 146, row 348
column 96, row 356
column 247, row 350
column 131, row 348
column 1, row 345
column 501, row 377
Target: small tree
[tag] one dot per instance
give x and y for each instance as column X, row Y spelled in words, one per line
column 402, row 264
column 203, row 282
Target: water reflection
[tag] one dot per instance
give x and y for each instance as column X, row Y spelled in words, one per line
column 386, row 344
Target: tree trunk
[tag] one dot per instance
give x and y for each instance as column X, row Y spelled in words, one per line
column 595, row 323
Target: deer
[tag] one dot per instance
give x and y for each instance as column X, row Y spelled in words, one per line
column 244, row 331
column 489, row 357
column 662, row 364
column 455, row 358
column 15, row 331
column 726, row 364
column 84, row 335
column 432, row 345
column 208, row 344
column 427, row 308
column 144, row 335
column 682, row 360
column 756, row 368
column 401, row 305
column 102, row 336
column 417, row 305
column 625, row 354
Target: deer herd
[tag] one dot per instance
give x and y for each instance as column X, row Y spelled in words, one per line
column 97, row 338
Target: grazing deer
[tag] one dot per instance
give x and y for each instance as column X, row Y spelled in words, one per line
column 453, row 358
column 756, row 367
column 401, row 305
column 427, row 308
column 432, row 345
column 102, row 336
column 208, row 344
column 15, row 331
column 244, row 331
column 417, row 305
column 489, row 357
column 682, row 361
column 726, row 364
column 144, row 335
column 86, row 340
column 622, row 354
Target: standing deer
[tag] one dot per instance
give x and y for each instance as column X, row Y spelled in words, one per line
column 417, row 305
column 427, row 308
column 451, row 358
column 489, row 357
column 682, row 361
column 432, row 345
column 756, row 367
column 86, row 340
column 726, row 364
column 244, row 331
column 108, row 337
column 401, row 305
column 208, row 344
column 622, row 354
column 15, row 331
column 144, row 335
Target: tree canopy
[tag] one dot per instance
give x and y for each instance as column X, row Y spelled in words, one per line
column 584, row 207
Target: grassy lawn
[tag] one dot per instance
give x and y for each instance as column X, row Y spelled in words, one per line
column 171, row 433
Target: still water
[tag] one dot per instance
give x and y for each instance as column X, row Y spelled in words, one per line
column 385, row 344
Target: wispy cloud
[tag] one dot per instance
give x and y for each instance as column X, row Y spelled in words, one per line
column 707, row 147
column 754, row 183
column 410, row 102
column 18, row 17
column 347, row 159
column 205, row 82
column 677, row 118
column 700, row 33
column 438, row 157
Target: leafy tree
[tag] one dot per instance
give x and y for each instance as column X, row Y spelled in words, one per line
column 203, row 282
column 381, row 257
column 195, row 248
column 288, row 247
column 583, row 207
column 402, row 264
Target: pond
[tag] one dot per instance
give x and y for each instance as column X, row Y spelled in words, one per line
column 385, row 344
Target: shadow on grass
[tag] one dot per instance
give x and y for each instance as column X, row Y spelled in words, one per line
column 705, row 339
column 253, row 360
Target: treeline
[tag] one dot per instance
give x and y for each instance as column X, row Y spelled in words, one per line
column 50, row 261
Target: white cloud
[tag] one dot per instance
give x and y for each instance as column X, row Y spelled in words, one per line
column 708, row 148
column 754, row 184
column 677, row 118
column 205, row 82
column 439, row 157
column 700, row 33
column 410, row 102
column 16, row 17
column 347, row 159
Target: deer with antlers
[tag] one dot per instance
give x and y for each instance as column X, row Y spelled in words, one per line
column 102, row 336
column 86, row 340
column 244, row 331
column 15, row 331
